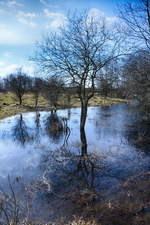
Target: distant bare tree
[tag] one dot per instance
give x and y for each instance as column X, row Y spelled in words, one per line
column 136, row 15
column 37, row 86
column 51, row 89
column 137, row 76
column 17, row 83
column 109, row 79
column 2, row 85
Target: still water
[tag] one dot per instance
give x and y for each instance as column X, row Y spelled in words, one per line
column 30, row 146
column 25, row 139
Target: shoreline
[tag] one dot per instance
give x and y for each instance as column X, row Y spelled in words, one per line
column 10, row 107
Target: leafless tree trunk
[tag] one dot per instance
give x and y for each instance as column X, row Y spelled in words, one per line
column 78, row 52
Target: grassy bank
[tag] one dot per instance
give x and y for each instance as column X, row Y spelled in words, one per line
column 9, row 104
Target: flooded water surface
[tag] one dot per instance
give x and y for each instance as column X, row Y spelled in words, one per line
column 45, row 148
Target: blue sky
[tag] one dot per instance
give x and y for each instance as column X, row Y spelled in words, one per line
column 23, row 22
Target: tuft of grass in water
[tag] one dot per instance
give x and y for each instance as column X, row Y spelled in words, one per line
column 81, row 221
column 125, row 204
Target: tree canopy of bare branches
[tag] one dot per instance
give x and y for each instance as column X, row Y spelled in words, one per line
column 137, row 76
column 52, row 88
column 18, row 82
column 37, row 86
column 77, row 52
column 109, row 79
column 136, row 15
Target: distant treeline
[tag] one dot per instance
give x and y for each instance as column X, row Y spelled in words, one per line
column 128, row 79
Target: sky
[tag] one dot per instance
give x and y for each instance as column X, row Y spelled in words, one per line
column 24, row 22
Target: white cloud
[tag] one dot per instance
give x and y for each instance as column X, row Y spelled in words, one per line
column 53, row 14
column 27, row 15
column 6, row 70
column 111, row 19
column 30, row 70
column 2, row 63
column 13, row 36
column 43, row 2
column 13, row 3
column 25, row 18
column 97, row 14
column 26, row 22
column 57, row 19
column 8, row 35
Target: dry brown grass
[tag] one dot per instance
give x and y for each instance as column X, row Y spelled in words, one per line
column 9, row 103
column 130, row 205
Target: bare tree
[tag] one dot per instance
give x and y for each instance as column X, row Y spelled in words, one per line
column 2, row 88
column 52, row 88
column 78, row 52
column 108, row 80
column 136, row 15
column 137, row 76
column 37, row 86
column 18, row 83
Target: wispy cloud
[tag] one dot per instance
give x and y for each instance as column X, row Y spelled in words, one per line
column 43, row 2
column 14, row 4
column 53, row 14
column 57, row 19
column 11, row 4
column 25, row 18
column 112, row 19
column 12, row 36
column 95, row 13
column 98, row 14
column 7, row 35
column 26, row 22
column 2, row 63
column 27, row 15
column 48, row 5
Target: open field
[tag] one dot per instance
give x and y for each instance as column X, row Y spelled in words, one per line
column 9, row 104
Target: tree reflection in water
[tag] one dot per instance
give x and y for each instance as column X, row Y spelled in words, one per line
column 37, row 127
column 21, row 131
column 69, row 177
column 54, row 126
column 139, row 134
column 65, row 170
column 83, row 142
